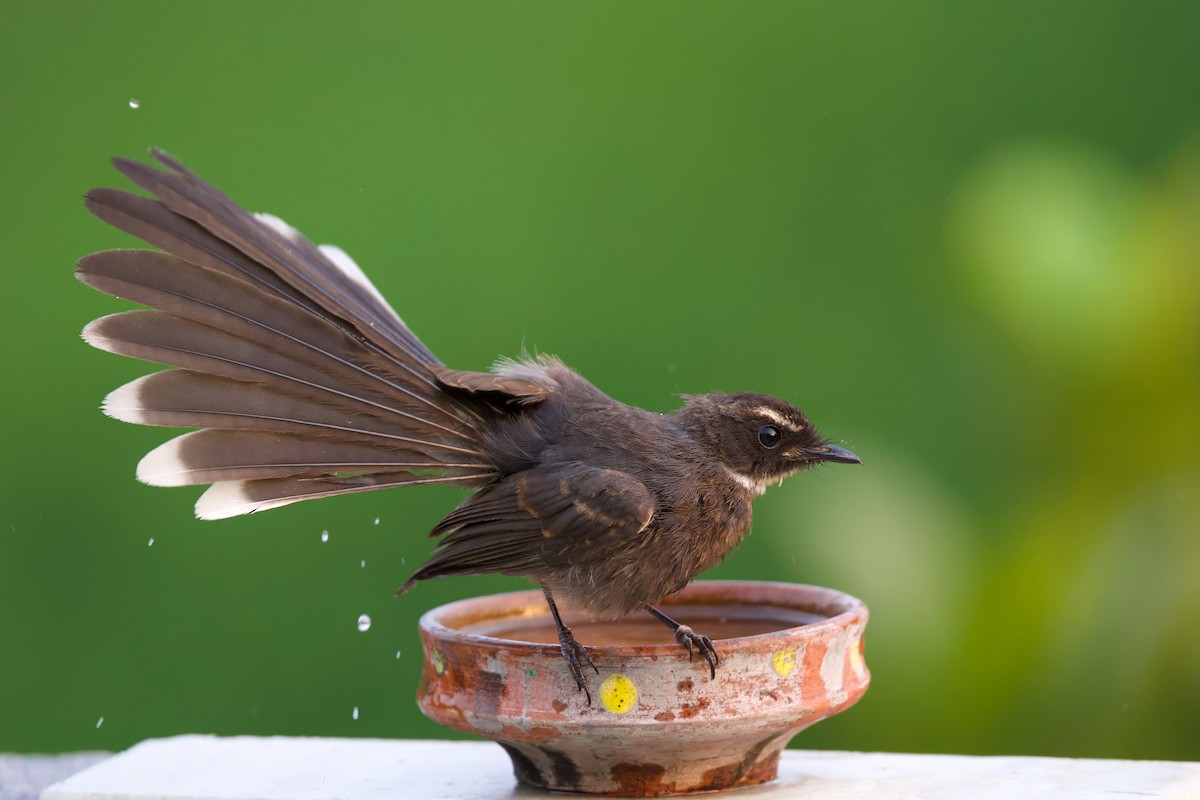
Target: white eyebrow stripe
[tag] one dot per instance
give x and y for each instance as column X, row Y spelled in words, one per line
column 777, row 418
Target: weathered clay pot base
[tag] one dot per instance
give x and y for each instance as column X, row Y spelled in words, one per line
column 641, row 779
column 658, row 724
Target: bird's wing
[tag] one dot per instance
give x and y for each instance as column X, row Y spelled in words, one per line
column 555, row 515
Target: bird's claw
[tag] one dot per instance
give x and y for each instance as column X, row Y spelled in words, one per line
column 572, row 650
column 697, row 641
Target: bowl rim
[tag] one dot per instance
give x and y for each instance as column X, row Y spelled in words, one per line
column 843, row 610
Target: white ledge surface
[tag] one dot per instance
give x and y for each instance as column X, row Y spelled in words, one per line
column 254, row 768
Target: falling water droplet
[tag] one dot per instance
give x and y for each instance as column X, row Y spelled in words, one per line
column 364, row 623
column 402, row 561
column 151, row 542
column 324, row 536
column 99, row 722
column 355, row 714
column 377, row 520
column 134, row 103
column 397, row 654
column 363, row 564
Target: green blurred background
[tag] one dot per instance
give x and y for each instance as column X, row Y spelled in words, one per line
column 963, row 239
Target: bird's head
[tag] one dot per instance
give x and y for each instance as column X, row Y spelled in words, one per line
column 758, row 439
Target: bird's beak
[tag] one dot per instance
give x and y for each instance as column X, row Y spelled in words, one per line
column 829, row 452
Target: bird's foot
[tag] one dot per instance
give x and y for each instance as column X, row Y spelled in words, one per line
column 697, row 641
column 575, row 655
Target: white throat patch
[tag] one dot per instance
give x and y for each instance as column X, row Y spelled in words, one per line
column 746, row 482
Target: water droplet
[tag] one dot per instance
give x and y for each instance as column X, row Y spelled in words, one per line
column 99, row 722
column 355, row 714
column 377, row 520
column 363, row 564
column 134, row 103
column 324, row 536
column 397, row 654
column 151, row 542
column 364, row 623
column 402, row 561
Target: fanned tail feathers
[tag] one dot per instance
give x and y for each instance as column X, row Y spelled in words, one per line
column 303, row 380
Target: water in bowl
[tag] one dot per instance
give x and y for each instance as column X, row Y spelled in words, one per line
column 714, row 621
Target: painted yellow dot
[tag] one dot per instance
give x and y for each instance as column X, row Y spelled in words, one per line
column 784, row 662
column 856, row 658
column 618, row 694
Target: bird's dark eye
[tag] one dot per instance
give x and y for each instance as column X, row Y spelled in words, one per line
column 768, row 436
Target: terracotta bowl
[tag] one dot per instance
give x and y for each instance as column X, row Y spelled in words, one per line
column 790, row 655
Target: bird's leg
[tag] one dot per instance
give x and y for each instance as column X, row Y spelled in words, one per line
column 690, row 639
column 571, row 648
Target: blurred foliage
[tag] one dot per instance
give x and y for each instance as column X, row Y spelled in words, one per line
column 964, row 238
